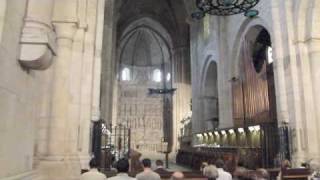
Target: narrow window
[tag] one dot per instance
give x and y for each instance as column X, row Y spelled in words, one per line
column 269, row 54
column 157, row 75
column 125, row 74
column 168, row 77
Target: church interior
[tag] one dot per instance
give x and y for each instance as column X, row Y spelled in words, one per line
column 185, row 81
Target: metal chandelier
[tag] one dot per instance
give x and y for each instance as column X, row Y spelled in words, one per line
column 225, row 8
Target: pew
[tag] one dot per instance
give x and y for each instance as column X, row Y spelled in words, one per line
column 295, row 173
column 188, row 175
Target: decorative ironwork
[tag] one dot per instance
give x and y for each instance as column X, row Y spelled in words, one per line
column 110, row 144
column 225, row 8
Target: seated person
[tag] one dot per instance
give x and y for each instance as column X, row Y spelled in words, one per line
column 262, row 174
column 122, row 167
column 147, row 173
column 211, row 172
column 177, row 176
column 203, row 165
column 93, row 173
column 223, row 175
column 240, row 171
column 285, row 164
column 160, row 169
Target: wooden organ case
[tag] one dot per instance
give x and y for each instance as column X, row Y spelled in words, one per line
column 254, row 101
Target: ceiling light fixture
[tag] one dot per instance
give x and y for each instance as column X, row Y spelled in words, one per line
column 225, row 8
column 240, row 130
column 257, row 128
column 199, row 135
column 251, row 128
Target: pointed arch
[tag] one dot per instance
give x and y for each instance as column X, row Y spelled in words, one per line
column 209, row 93
column 254, row 26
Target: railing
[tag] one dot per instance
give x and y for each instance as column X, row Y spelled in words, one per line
column 110, row 144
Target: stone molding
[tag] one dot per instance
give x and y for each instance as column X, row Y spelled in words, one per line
column 65, row 30
column 25, row 175
column 95, row 116
column 37, row 45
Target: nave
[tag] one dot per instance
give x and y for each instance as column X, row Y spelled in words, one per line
column 232, row 84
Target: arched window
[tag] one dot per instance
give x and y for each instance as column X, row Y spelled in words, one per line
column 270, row 55
column 157, row 75
column 168, row 77
column 125, row 74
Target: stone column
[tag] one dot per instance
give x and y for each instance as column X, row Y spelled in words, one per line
column 182, row 97
column 90, row 77
column 313, row 125
column 195, row 78
column 37, row 50
column 313, row 42
column 97, row 61
column 296, row 81
column 281, row 96
column 108, row 63
column 62, row 161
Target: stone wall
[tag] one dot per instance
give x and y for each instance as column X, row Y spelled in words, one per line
column 19, row 89
column 50, row 70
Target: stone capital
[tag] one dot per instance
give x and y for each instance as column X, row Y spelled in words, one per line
column 314, row 45
column 65, row 30
column 37, row 45
column 95, row 115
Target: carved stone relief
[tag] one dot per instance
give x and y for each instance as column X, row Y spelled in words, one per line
column 143, row 114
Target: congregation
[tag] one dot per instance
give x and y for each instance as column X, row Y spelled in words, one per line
column 212, row 171
column 122, row 167
column 123, row 170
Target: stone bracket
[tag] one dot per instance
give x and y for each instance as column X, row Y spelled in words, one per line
column 37, row 46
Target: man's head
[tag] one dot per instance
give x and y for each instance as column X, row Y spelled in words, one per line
column 146, row 163
column 177, row 175
column 93, row 163
column 240, row 164
column 203, row 165
column 262, row 173
column 285, row 164
column 210, row 172
column 219, row 163
column 122, row 165
column 159, row 163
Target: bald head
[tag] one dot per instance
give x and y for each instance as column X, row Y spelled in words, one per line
column 177, row 175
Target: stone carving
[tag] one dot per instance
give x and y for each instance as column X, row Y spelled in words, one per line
column 38, row 39
column 142, row 113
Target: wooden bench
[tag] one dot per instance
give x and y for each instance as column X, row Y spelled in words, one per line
column 295, row 173
column 187, row 175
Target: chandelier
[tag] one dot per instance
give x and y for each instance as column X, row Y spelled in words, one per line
column 225, row 8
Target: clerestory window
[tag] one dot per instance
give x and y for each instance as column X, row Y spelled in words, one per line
column 269, row 54
column 125, row 74
column 157, row 75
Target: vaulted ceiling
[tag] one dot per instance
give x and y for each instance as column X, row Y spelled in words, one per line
column 143, row 47
column 171, row 14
